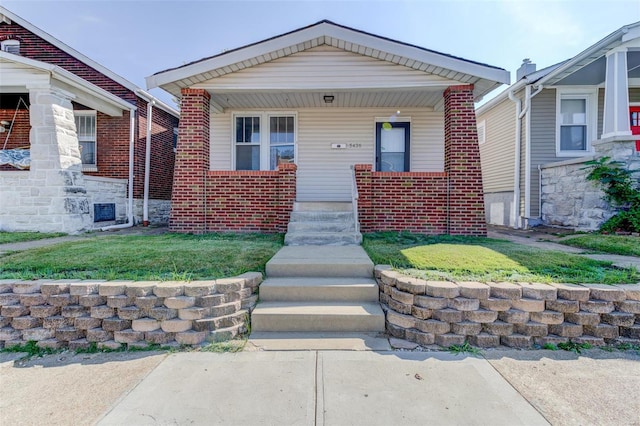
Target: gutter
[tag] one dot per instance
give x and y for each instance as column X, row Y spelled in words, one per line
column 147, row 165
column 516, row 170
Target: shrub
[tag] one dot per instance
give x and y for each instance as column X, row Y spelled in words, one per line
column 621, row 191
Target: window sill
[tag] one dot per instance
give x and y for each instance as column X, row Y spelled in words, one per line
column 573, row 153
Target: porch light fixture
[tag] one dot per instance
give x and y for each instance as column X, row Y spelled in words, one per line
column 328, row 99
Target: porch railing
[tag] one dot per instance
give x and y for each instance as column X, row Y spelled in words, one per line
column 354, row 198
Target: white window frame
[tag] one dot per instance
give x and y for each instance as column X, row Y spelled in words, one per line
column 6, row 45
column 590, row 96
column 265, row 145
column 482, row 132
column 88, row 113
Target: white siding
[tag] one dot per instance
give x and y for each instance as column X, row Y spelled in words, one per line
column 324, row 173
column 325, row 67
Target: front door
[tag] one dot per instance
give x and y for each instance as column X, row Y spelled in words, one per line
column 634, row 117
column 392, row 147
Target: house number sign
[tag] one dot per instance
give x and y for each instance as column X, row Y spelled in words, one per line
column 346, row 145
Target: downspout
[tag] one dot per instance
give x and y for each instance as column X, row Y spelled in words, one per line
column 147, row 165
column 516, row 171
column 527, row 166
column 129, row 223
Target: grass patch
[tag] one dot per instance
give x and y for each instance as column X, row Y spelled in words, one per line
column 18, row 237
column 484, row 259
column 231, row 346
column 614, row 244
column 31, row 349
column 152, row 257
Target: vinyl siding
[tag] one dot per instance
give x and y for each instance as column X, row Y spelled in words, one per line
column 325, row 67
column 543, row 140
column 497, row 152
column 600, row 112
column 634, row 94
column 324, row 173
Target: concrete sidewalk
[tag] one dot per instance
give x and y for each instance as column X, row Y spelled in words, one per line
column 324, row 388
column 505, row 387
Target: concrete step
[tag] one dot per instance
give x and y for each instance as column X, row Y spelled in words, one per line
column 322, row 238
column 316, row 341
column 322, row 206
column 320, row 261
column 317, row 216
column 319, row 289
column 317, row 316
column 321, row 226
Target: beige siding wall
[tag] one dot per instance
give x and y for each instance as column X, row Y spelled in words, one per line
column 323, row 67
column 497, row 152
column 634, row 94
column 324, row 173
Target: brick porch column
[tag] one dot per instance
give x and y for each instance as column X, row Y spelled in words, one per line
column 462, row 163
column 363, row 183
column 286, row 194
column 188, row 198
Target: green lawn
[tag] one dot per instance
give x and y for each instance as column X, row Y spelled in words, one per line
column 484, row 259
column 18, row 237
column 614, row 244
column 157, row 257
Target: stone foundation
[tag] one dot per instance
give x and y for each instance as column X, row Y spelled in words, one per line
column 568, row 199
column 517, row 315
column 76, row 313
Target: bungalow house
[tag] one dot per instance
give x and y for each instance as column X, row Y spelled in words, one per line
column 328, row 119
column 538, row 133
column 80, row 146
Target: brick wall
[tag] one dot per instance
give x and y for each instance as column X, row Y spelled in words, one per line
column 245, row 201
column 518, row 315
column 19, row 133
column 33, row 47
column 162, row 155
column 191, row 165
column 74, row 314
column 411, row 201
column 462, row 163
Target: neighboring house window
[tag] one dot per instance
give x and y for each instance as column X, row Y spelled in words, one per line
column 86, row 130
column 575, row 123
column 11, row 46
column 481, row 132
column 263, row 141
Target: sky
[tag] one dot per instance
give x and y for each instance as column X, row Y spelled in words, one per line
column 138, row 38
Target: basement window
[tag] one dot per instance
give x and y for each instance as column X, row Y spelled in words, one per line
column 10, row 46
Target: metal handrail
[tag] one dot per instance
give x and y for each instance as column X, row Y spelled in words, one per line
column 354, row 198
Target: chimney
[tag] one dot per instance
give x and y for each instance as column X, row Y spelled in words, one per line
column 525, row 69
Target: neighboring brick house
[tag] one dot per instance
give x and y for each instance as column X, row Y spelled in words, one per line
column 540, row 131
column 99, row 145
column 285, row 121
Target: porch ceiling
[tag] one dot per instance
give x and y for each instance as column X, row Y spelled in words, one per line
column 342, row 99
column 594, row 73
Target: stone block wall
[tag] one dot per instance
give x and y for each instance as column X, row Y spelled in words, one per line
column 516, row 315
column 76, row 313
column 569, row 199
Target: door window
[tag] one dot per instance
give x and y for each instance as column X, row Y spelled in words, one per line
column 392, row 147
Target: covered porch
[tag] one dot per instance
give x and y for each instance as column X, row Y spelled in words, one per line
column 329, row 114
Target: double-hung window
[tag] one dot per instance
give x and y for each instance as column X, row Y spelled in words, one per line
column 86, row 130
column 262, row 141
column 575, row 123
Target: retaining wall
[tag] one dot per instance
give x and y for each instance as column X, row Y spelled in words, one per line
column 516, row 315
column 76, row 313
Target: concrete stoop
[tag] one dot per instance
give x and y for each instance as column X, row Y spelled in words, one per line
column 322, row 223
column 318, row 297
